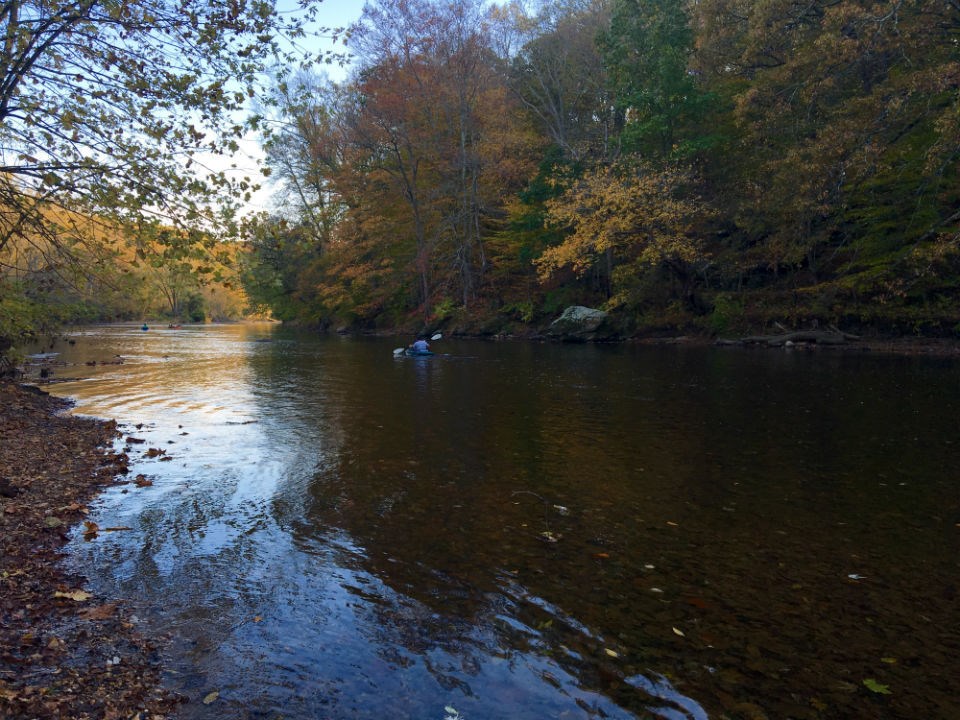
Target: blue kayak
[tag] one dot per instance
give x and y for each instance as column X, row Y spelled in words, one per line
column 417, row 353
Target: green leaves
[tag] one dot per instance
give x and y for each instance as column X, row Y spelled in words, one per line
column 875, row 687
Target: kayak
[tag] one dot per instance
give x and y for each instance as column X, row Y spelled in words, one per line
column 417, row 353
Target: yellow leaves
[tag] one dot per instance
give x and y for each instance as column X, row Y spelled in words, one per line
column 638, row 213
column 75, row 595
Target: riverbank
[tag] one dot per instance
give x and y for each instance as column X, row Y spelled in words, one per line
column 64, row 653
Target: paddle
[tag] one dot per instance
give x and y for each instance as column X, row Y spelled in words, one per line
column 436, row 336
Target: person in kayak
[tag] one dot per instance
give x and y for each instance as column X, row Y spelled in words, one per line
column 420, row 345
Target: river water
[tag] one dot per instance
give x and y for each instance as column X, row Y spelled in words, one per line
column 515, row 530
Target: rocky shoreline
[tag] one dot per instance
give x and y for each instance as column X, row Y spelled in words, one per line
column 64, row 653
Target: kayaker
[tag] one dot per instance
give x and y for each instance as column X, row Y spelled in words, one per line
column 420, row 345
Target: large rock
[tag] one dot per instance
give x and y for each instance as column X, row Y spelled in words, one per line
column 580, row 324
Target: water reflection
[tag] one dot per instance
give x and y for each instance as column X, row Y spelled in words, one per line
column 530, row 531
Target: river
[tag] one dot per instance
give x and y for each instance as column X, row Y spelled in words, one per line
column 321, row 529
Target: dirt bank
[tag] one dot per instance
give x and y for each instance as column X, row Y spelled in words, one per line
column 63, row 652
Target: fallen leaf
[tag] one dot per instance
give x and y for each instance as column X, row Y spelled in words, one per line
column 672, row 524
column 601, row 556
column 611, row 653
column 78, row 595
column 889, row 660
column 211, row 697
column 873, row 686
column 101, row 612
column 679, row 632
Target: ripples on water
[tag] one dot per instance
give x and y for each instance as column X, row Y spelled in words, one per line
column 523, row 531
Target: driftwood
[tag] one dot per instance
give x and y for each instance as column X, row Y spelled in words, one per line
column 808, row 337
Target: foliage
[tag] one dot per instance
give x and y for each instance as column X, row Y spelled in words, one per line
column 109, row 112
column 629, row 217
column 646, row 53
column 718, row 164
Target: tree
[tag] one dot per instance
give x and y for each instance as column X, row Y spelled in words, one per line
column 559, row 76
column 304, row 145
column 107, row 110
column 647, row 56
column 431, row 119
column 631, row 217
column 847, row 115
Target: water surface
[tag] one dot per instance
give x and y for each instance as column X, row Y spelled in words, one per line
column 529, row 531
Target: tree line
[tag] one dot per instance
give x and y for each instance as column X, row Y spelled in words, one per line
column 685, row 164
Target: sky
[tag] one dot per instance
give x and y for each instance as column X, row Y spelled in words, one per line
column 333, row 13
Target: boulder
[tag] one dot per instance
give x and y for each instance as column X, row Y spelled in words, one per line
column 580, row 324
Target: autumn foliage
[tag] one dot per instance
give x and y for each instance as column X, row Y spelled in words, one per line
column 707, row 165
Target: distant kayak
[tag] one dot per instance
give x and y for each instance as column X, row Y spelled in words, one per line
column 417, row 353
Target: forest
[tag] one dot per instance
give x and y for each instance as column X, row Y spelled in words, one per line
column 704, row 166
column 688, row 166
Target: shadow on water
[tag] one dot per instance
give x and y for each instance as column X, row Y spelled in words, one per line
column 525, row 531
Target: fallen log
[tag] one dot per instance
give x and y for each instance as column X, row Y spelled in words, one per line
column 814, row 337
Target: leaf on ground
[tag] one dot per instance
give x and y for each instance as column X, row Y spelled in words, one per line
column 211, row 698
column 78, row 595
column 101, row 612
column 873, row 686
column 611, row 653
column 677, row 631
